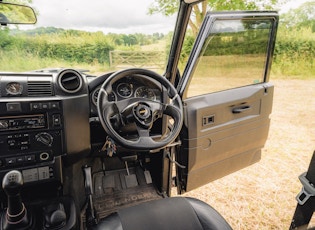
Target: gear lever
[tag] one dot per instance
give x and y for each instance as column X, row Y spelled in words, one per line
column 16, row 216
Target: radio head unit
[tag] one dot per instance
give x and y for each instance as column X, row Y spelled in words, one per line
column 23, row 122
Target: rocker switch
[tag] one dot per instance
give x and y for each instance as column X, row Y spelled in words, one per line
column 207, row 120
column 56, row 120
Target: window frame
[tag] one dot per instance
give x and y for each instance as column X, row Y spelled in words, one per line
column 204, row 33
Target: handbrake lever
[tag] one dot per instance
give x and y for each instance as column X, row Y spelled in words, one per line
column 88, row 185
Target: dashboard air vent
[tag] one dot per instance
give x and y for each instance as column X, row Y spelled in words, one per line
column 70, row 81
column 39, row 88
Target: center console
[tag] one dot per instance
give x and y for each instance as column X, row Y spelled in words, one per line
column 31, row 138
column 44, row 122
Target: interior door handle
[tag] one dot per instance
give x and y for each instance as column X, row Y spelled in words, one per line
column 241, row 109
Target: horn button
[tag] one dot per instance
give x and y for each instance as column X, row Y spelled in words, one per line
column 143, row 114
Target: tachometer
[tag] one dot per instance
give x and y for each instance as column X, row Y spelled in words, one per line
column 124, row 90
column 14, row 88
column 145, row 92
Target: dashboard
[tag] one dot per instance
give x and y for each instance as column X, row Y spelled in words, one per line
column 45, row 115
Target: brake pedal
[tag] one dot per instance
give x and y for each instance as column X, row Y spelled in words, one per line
column 130, row 179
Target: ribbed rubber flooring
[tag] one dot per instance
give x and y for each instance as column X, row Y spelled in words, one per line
column 117, row 190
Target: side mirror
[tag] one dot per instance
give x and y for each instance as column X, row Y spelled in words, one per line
column 16, row 14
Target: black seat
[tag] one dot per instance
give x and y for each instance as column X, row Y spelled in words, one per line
column 177, row 213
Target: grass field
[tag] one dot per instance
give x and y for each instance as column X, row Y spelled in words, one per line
column 262, row 196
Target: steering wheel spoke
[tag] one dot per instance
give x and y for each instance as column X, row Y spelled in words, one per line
column 143, row 132
column 125, row 104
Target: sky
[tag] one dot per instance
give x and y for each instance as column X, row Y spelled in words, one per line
column 293, row 4
column 116, row 16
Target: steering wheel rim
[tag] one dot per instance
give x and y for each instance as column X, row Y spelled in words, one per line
column 143, row 110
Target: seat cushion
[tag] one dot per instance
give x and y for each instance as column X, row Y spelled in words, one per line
column 177, row 213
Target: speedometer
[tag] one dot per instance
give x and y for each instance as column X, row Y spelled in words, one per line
column 145, row 92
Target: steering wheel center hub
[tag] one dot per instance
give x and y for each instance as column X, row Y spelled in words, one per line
column 142, row 111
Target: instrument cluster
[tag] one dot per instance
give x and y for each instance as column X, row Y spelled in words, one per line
column 132, row 87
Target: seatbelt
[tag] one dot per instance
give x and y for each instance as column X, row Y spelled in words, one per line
column 306, row 198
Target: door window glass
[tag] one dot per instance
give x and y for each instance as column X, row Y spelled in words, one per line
column 234, row 54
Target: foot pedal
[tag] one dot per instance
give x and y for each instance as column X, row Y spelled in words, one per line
column 131, row 180
column 147, row 177
column 109, row 184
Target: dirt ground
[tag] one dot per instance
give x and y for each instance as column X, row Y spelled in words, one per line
column 262, row 196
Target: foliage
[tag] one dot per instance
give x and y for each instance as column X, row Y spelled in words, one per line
column 63, row 45
column 170, row 7
column 303, row 16
column 68, row 46
column 295, row 52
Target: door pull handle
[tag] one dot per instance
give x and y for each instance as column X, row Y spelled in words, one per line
column 241, row 109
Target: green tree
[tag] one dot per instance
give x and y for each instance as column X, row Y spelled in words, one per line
column 117, row 39
column 169, row 7
column 303, row 16
column 132, row 40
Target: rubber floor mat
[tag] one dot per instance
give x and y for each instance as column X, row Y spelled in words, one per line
column 117, row 189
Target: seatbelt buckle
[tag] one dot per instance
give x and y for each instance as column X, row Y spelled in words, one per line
column 307, row 191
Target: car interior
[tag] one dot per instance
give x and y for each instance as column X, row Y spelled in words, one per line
column 80, row 151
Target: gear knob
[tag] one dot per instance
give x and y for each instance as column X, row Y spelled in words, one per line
column 12, row 183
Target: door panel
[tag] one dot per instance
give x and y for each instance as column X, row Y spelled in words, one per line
column 231, row 141
column 226, row 95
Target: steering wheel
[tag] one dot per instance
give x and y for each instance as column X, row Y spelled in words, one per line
column 141, row 112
